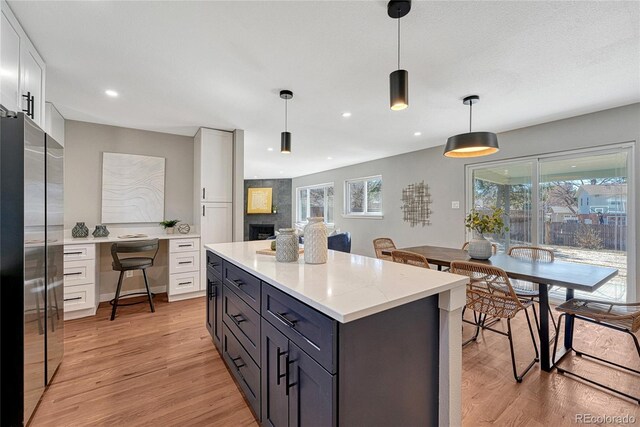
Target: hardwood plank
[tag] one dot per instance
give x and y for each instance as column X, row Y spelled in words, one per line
column 147, row 369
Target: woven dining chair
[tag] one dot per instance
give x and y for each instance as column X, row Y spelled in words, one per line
column 409, row 258
column 490, row 294
column 383, row 244
column 619, row 317
column 529, row 290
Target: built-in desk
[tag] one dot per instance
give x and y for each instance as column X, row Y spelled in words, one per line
column 82, row 270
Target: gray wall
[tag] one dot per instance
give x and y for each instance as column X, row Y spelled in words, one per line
column 281, row 199
column 446, row 177
column 84, row 145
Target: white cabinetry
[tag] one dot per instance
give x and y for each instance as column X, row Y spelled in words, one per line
column 213, row 166
column 184, row 268
column 213, row 186
column 54, row 123
column 81, row 295
column 22, row 70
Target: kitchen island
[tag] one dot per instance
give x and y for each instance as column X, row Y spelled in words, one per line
column 355, row 341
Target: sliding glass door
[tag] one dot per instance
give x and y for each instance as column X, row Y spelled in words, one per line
column 578, row 204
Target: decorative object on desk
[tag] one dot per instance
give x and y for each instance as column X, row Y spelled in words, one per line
column 273, row 245
column 415, row 204
column 169, row 225
column 100, row 231
column 80, row 230
column 479, row 223
column 259, row 200
column 315, row 241
column 132, row 188
column 184, row 228
column 132, row 236
column 287, row 245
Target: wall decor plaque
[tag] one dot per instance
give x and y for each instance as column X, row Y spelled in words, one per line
column 415, row 204
column 259, row 200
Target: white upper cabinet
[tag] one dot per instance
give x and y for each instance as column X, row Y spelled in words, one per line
column 213, row 166
column 22, row 70
column 9, row 63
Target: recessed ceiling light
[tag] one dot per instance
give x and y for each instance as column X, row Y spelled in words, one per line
column 111, row 93
column 281, row 172
column 329, row 158
column 573, row 166
column 417, row 133
column 255, row 177
column 346, row 114
column 270, row 149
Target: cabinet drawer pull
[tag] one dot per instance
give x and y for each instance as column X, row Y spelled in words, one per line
column 278, row 374
column 238, row 365
column 238, row 282
column 185, row 246
column 73, row 253
column 185, row 262
column 184, row 283
column 214, row 264
column 237, row 319
column 281, row 317
column 72, row 299
column 73, row 274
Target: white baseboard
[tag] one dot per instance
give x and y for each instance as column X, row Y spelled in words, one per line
column 181, row 297
column 154, row 289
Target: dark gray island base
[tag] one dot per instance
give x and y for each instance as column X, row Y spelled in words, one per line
column 298, row 367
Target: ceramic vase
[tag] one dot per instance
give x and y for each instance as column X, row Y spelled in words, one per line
column 170, row 230
column 315, row 241
column 80, row 230
column 287, row 245
column 100, row 231
column 479, row 247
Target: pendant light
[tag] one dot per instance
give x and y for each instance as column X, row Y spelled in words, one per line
column 285, row 137
column 399, row 79
column 471, row 144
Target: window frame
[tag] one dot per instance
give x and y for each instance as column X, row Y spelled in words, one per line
column 307, row 188
column 365, row 214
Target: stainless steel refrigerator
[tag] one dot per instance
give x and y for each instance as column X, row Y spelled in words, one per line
column 31, row 261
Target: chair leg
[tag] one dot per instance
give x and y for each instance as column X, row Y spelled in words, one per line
column 520, row 376
column 115, row 301
column 146, row 283
column 533, row 337
column 38, row 314
column 478, row 321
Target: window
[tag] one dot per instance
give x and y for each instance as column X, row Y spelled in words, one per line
column 314, row 201
column 363, row 196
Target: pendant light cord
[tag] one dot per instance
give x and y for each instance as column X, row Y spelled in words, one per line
column 286, row 101
column 470, row 114
column 399, row 42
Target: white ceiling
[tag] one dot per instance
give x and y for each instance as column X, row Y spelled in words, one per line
column 180, row 65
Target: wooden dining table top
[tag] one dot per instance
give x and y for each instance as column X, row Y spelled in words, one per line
column 570, row 275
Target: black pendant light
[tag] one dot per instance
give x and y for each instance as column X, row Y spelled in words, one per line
column 399, row 79
column 472, row 144
column 285, row 137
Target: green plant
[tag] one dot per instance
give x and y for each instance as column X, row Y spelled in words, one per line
column 168, row 223
column 492, row 223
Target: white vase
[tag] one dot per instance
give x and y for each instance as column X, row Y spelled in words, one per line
column 169, row 230
column 479, row 247
column 315, row 241
column 287, row 249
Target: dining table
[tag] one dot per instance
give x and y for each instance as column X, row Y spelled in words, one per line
column 568, row 275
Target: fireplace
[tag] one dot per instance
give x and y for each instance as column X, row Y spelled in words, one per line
column 261, row 231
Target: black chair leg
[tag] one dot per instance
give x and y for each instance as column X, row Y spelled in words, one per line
column 115, row 301
column 520, row 376
column 146, row 283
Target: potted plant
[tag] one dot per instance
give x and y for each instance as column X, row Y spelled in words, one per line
column 479, row 224
column 169, row 225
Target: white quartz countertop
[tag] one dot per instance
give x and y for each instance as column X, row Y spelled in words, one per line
column 348, row 287
column 113, row 237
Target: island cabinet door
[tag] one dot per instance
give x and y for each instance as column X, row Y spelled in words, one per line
column 311, row 389
column 275, row 402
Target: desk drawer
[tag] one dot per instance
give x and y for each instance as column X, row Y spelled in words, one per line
column 79, row 272
column 79, row 297
column 309, row 329
column 183, row 283
column 244, row 284
column 184, row 245
column 243, row 321
column 183, row 262
column 214, row 263
column 79, row 252
column 243, row 368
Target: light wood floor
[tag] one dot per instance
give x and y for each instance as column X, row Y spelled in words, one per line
column 161, row 369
